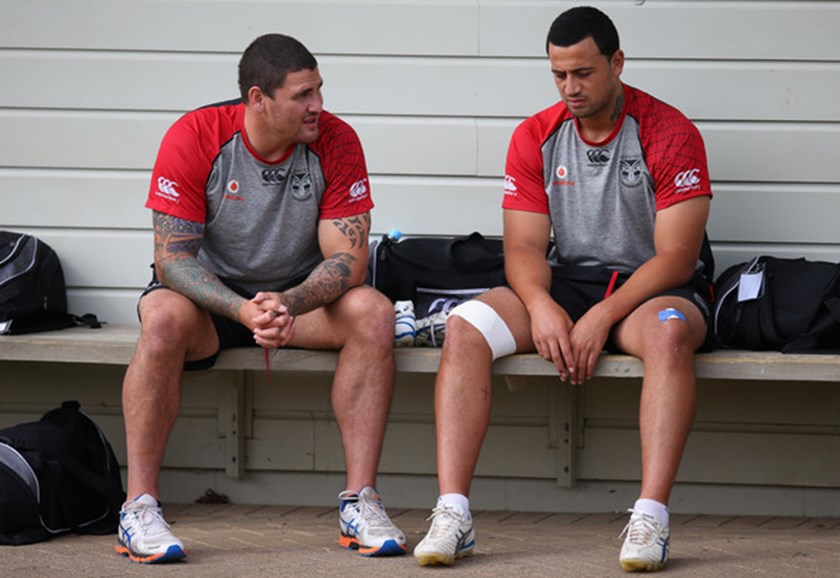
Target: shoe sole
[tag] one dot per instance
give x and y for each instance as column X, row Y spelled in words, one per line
column 440, row 559
column 641, row 566
column 173, row 554
column 389, row 548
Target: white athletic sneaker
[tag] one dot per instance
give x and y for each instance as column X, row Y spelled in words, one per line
column 431, row 330
column 404, row 328
column 450, row 537
column 646, row 543
column 144, row 535
column 366, row 527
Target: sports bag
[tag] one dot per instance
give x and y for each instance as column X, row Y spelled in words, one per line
column 33, row 296
column 32, row 291
column 788, row 305
column 57, row 475
column 427, row 276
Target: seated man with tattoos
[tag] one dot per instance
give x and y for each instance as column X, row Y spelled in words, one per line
column 261, row 214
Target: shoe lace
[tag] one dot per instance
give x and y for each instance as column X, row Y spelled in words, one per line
column 369, row 509
column 149, row 519
column 642, row 528
column 445, row 520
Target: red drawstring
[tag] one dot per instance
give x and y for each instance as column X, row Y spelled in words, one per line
column 611, row 286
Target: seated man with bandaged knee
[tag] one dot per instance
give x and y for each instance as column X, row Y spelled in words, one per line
column 620, row 180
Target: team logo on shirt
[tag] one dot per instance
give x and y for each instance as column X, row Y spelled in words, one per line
column 631, row 172
column 301, row 186
column 358, row 191
column 166, row 189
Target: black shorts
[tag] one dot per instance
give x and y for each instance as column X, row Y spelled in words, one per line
column 577, row 289
column 231, row 333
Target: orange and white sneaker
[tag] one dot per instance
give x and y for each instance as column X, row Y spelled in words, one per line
column 366, row 527
column 143, row 534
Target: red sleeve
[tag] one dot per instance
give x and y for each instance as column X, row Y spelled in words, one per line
column 524, row 171
column 180, row 173
column 676, row 157
column 345, row 171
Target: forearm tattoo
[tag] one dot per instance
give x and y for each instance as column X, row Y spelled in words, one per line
column 327, row 282
column 355, row 229
column 176, row 245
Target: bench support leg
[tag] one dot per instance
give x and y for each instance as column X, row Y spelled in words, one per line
column 233, row 424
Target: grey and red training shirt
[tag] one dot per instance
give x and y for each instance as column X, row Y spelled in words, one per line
column 261, row 218
column 602, row 197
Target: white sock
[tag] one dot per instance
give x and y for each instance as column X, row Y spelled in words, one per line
column 657, row 509
column 460, row 501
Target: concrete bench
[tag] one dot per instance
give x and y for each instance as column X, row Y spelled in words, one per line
column 114, row 345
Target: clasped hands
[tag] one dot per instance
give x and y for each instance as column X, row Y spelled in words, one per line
column 272, row 324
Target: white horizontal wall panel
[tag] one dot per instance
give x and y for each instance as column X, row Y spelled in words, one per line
column 764, row 152
column 774, row 213
column 118, row 307
column 436, row 206
column 467, row 87
column 761, row 152
column 81, row 140
column 59, row 198
column 677, row 29
column 105, row 259
column 342, row 26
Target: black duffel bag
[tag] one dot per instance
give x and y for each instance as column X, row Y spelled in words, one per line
column 788, row 305
column 435, row 274
column 57, row 475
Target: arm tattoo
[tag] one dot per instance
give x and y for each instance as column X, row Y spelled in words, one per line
column 176, row 245
column 327, row 282
column 356, row 229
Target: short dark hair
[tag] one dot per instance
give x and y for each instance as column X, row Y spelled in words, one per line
column 269, row 59
column 579, row 23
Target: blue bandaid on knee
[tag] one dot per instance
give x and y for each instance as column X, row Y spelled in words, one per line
column 670, row 313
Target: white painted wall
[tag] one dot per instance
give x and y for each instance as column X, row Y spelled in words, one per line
column 87, row 89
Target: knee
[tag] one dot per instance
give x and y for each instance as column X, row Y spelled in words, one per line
column 370, row 314
column 672, row 338
column 463, row 336
column 166, row 323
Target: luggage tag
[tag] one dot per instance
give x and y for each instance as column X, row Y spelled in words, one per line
column 751, row 283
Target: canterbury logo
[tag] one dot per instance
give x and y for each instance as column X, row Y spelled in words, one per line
column 510, row 185
column 358, row 190
column 687, row 179
column 273, row 176
column 166, row 189
column 598, row 156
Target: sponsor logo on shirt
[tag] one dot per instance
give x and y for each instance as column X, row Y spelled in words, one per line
column 233, row 190
column 166, row 189
column 687, row 180
column 631, row 172
column 301, row 186
column 562, row 173
column 358, row 191
column 510, row 186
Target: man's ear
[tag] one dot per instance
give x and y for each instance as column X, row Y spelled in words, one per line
column 617, row 62
column 255, row 98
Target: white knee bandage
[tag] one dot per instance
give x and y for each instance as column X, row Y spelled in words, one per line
column 489, row 324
